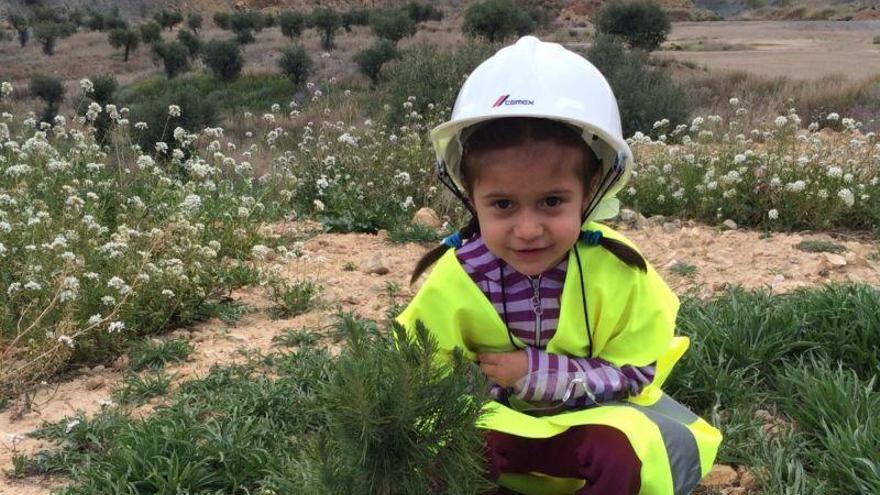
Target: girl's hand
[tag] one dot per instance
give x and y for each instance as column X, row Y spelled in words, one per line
column 504, row 368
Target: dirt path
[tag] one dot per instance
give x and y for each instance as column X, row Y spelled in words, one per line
column 718, row 258
column 798, row 49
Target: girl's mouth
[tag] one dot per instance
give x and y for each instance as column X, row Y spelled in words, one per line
column 529, row 253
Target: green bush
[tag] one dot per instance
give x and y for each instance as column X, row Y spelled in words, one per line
column 371, row 60
column 192, row 42
column 124, row 39
column 104, row 87
column 50, row 90
column 22, row 25
column 642, row 23
column 168, row 18
column 222, row 19
column 644, row 95
column 292, row 23
column 355, row 17
column 105, row 21
column 250, row 92
column 244, row 24
column 392, row 25
column 295, row 63
column 327, row 22
column 197, row 111
column 223, row 58
column 174, row 56
column 431, row 76
column 151, row 32
column 47, row 33
column 497, row 20
column 194, row 22
column 421, row 12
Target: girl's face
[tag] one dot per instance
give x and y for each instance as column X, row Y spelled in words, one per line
column 529, row 199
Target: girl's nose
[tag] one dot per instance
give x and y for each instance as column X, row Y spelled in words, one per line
column 528, row 228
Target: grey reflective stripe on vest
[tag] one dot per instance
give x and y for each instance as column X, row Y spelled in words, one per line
column 672, row 419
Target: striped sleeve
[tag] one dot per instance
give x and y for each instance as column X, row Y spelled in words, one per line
column 579, row 381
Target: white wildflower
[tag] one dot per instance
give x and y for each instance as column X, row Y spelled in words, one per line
column 116, row 326
column 68, row 341
column 319, row 205
column 846, row 196
column 773, row 214
column 86, row 86
column 173, row 110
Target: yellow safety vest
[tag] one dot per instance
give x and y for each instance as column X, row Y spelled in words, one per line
column 632, row 317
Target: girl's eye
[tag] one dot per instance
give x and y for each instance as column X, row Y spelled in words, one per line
column 553, row 201
column 502, row 204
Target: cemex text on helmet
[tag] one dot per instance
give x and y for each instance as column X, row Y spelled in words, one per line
column 503, row 100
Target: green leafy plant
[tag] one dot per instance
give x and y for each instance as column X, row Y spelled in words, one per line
column 223, row 58
column 124, row 39
column 137, row 389
column 371, row 60
column 153, row 354
column 642, row 23
column 819, row 246
column 296, row 64
column 497, row 20
column 291, row 298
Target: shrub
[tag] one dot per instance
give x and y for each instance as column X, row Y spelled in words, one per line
column 224, row 59
column 125, row 39
column 174, row 56
column 50, row 90
column 371, row 60
column 192, row 42
column 435, row 77
column 644, row 95
column 421, row 12
column 151, row 32
column 496, row 20
column 47, row 33
column 291, row 23
column 392, row 25
column 168, row 18
column 355, row 17
column 327, row 22
column 221, row 19
column 295, row 63
column 104, row 87
column 194, row 22
column 291, row 299
column 243, row 24
column 642, row 23
column 101, row 21
column 197, row 111
column 23, row 26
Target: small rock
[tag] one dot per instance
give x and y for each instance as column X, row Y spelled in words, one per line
column 831, row 260
column 720, row 476
column 656, row 220
column 671, row 227
column 633, row 219
column 764, row 416
column 95, row 383
column 730, row 224
column 382, row 234
column 375, row 265
column 350, row 300
column 120, row 363
column 747, row 480
column 427, row 217
column 99, row 368
column 794, row 260
column 238, row 338
column 856, row 259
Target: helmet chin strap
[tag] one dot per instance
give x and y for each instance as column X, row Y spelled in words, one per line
column 446, row 180
column 614, row 173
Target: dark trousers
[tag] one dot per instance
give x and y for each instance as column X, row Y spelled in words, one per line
column 599, row 454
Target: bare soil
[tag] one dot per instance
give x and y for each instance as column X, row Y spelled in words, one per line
column 719, row 258
column 797, row 49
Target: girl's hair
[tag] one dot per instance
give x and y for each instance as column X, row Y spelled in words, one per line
column 500, row 133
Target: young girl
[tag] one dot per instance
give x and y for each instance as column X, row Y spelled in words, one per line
column 567, row 320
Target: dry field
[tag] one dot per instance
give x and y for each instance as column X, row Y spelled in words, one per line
column 797, row 49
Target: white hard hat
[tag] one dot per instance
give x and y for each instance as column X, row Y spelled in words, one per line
column 532, row 78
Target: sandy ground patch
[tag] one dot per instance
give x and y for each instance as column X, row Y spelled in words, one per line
column 797, row 49
column 719, row 258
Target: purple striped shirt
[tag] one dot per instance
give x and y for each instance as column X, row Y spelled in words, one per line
column 532, row 316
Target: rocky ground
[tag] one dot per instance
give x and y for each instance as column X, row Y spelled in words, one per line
column 357, row 270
